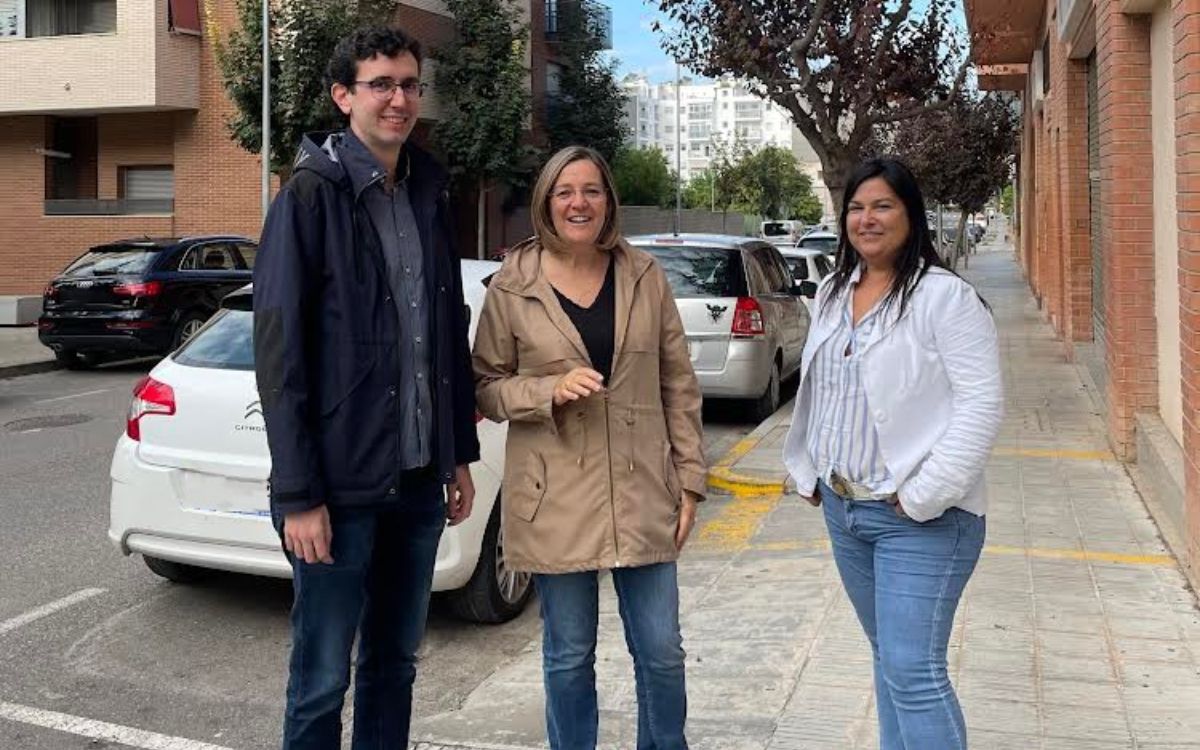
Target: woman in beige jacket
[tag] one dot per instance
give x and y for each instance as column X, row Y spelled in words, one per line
column 580, row 347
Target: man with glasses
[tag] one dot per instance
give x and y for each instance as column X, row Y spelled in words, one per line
column 363, row 366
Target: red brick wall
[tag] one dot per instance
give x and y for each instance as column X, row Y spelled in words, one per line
column 1186, row 17
column 1126, row 189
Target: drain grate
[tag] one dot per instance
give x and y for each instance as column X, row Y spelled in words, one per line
column 34, row 424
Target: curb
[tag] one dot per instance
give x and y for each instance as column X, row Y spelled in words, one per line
column 28, row 368
column 721, row 475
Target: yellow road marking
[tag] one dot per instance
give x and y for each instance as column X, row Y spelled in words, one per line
column 733, row 527
column 1052, row 453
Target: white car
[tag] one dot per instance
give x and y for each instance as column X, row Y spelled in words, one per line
column 807, row 264
column 189, row 475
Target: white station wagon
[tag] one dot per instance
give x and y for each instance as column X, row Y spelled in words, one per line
column 189, row 475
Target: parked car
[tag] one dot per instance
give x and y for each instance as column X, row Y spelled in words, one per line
column 189, row 475
column 744, row 317
column 146, row 296
column 807, row 264
column 783, row 232
column 821, row 240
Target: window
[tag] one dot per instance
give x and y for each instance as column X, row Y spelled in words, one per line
column 700, row 271
column 211, row 257
column 226, row 343
column 748, row 110
column 147, row 183
column 112, row 260
column 66, row 17
column 248, row 251
column 71, row 160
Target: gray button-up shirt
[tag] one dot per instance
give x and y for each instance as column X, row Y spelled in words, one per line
column 392, row 215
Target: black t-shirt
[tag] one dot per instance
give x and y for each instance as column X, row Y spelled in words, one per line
column 597, row 324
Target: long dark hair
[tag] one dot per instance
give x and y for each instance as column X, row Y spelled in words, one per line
column 917, row 255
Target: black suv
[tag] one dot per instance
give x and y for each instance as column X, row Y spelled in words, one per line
column 136, row 297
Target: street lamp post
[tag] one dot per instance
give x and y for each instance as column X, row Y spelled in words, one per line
column 678, row 160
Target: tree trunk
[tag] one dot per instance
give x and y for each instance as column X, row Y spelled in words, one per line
column 959, row 250
column 481, row 222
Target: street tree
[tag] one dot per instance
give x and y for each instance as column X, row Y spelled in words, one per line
column 643, row 178
column 773, row 186
column 962, row 155
column 481, row 81
column 841, row 67
column 588, row 107
column 302, row 35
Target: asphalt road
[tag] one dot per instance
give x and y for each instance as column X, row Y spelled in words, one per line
column 93, row 645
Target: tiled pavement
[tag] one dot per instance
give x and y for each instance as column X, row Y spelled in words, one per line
column 1077, row 632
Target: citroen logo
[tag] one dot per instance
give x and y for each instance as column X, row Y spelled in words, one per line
column 254, row 407
column 716, row 311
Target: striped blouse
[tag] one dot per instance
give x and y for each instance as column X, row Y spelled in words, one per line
column 841, row 433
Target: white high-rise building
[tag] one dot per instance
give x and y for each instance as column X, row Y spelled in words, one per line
column 712, row 116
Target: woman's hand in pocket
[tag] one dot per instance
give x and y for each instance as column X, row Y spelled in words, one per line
column 687, row 519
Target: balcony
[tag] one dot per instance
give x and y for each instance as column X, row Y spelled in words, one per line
column 96, row 56
column 560, row 14
column 1004, row 36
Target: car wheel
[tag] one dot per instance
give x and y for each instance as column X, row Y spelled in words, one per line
column 495, row 593
column 173, row 571
column 72, row 360
column 766, row 404
column 188, row 325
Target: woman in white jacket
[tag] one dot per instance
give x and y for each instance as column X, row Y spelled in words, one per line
column 899, row 404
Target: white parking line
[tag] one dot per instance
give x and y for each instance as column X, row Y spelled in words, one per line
column 99, row 730
column 47, row 609
column 73, row 395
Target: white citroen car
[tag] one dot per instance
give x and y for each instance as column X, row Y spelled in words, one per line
column 189, row 475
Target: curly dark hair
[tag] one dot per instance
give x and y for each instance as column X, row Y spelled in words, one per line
column 364, row 44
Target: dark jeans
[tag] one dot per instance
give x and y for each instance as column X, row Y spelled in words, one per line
column 649, row 606
column 377, row 586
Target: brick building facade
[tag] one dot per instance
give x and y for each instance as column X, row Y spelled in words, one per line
column 121, row 109
column 1109, row 216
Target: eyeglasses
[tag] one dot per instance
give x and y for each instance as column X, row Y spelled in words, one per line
column 385, row 88
column 591, row 194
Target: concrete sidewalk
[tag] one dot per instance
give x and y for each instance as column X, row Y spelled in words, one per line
column 21, row 353
column 1077, row 632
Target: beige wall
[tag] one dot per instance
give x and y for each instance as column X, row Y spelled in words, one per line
column 139, row 67
column 1166, row 229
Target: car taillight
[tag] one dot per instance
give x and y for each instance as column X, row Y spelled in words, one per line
column 149, row 397
column 748, row 318
column 138, row 289
column 51, row 292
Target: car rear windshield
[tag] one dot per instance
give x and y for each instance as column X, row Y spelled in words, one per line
column 226, row 343
column 701, row 271
column 112, row 260
column 824, row 244
column 775, row 229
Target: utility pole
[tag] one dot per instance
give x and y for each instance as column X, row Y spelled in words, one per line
column 678, row 158
column 266, row 108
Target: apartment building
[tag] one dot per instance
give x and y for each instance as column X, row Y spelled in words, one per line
column 712, row 117
column 1109, row 216
column 113, row 124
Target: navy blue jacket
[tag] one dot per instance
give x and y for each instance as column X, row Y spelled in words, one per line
column 326, row 332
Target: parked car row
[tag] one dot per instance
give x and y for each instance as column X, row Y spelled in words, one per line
column 189, row 473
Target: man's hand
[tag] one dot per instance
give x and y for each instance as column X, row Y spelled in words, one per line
column 460, row 496
column 576, row 384
column 308, row 535
column 687, row 519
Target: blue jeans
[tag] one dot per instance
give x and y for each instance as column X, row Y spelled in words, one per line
column 649, row 606
column 905, row 579
column 378, row 586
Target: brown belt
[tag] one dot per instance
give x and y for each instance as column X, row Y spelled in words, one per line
column 848, row 489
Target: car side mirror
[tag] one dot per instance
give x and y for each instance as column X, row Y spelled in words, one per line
column 805, row 289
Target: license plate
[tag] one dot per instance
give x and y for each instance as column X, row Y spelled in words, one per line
column 216, row 493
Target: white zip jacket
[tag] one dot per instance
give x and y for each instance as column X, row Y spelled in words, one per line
column 933, row 384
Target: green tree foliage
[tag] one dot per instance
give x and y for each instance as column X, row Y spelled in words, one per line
column 841, row 67
column 643, row 178
column 481, row 82
column 303, row 34
column 772, row 186
column 1007, row 198
column 588, row 109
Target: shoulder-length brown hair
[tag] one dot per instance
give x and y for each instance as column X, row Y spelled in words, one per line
column 539, row 209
